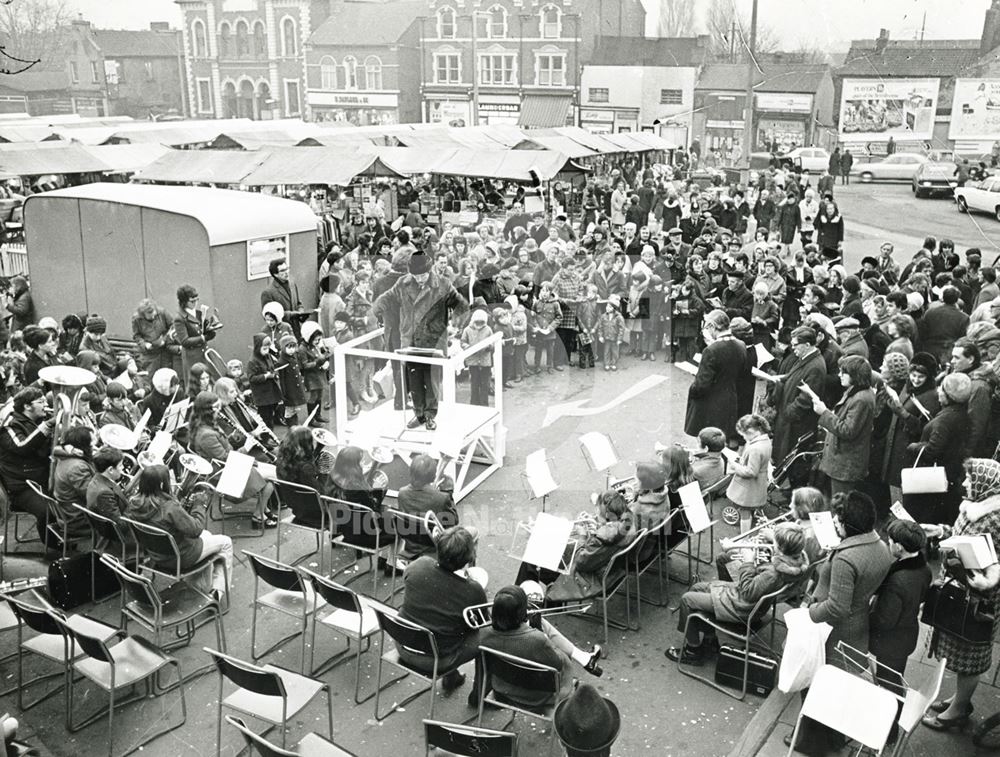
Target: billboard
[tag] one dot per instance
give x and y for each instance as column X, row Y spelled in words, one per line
column 874, row 110
column 975, row 110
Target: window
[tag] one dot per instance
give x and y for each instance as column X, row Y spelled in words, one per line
column 495, row 20
column 671, row 97
column 95, row 74
column 497, row 68
column 327, row 73
column 204, row 91
column 447, row 68
column 200, row 44
column 74, row 74
column 551, row 70
column 350, row 72
column 373, row 72
column 289, row 43
column 446, row 23
column 598, row 94
column 224, row 41
column 259, row 40
column 114, row 72
column 148, row 65
column 242, row 39
column 292, row 107
column 550, row 22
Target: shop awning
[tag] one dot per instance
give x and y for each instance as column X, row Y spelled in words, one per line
column 543, row 111
column 655, row 141
column 316, row 165
column 627, row 142
column 202, row 167
column 595, row 142
column 565, row 145
column 58, row 160
column 411, row 161
column 512, row 165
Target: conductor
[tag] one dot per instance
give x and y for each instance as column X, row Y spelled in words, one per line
column 421, row 302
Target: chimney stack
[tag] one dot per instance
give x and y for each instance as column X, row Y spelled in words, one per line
column 159, row 26
column 991, row 29
column 882, row 42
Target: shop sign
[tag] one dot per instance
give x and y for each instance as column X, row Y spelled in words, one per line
column 597, row 116
column 450, row 112
column 351, row 99
column 780, row 102
column 724, row 124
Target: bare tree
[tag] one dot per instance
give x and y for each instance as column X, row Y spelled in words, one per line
column 729, row 33
column 676, row 19
column 34, row 30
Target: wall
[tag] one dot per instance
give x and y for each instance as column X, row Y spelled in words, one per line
column 138, row 94
column 664, row 77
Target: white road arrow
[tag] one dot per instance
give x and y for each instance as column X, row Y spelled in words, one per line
column 575, row 408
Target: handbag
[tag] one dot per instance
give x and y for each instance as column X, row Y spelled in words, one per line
column 927, row 480
column 954, row 609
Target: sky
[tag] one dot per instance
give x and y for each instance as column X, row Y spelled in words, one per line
column 826, row 24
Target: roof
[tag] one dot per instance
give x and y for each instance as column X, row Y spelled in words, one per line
column 938, row 58
column 777, row 77
column 646, row 51
column 202, row 166
column 544, row 110
column 57, row 160
column 383, row 23
column 226, row 215
column 125, row 158
column 556, row 142
column 137, row 43
column 316, row 165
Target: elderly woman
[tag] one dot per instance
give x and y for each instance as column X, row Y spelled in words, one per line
column 151, row 332
column 688, row 302
column 848, row 426
column 908, row 407
column 980, row 514
column 773, row 280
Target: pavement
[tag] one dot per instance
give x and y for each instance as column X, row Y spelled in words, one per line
column 664, row 713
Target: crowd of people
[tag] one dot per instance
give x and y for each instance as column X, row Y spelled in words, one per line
column 868, row 373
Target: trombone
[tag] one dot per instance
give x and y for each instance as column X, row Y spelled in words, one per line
column 481, row 616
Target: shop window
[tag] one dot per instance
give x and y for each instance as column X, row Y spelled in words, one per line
column 327, row 73
column 373, row 72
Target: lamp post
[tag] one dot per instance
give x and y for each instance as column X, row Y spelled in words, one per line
column 751, row 65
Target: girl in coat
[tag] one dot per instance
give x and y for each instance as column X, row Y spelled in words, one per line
column 548, row 315
column 688, row 303
column 293, row 386
column 314, row 362
column 748, row 487
column 911, row 408
column 638, row 310
column 263, row 379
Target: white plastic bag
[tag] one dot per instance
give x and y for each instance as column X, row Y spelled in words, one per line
column 805, row 650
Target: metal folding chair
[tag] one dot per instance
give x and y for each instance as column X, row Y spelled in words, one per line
column 524, row 674
column 300, row 497
column 312, row 744
column 357, row 527
column 467, row 741
column 613, row 580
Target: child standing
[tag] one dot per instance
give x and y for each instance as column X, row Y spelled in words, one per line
column 263, row 379
column 587, row 315
column 479, row 363
column 313, row 361
column 359, row 305
column 638, row 311
column 293, row 386
column 748, row 488
column 501, row 316
column 342, row 333
column 548, row 314
column 234, row 370
column 611, row 332
column 519, row 325
column 764, row 315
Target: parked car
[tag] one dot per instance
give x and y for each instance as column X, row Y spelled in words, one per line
column 980, row 195
column 813, row 159
column 901, row 167
column 761, row 161
column 934, row 177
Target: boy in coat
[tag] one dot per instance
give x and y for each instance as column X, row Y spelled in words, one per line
column 611, row 332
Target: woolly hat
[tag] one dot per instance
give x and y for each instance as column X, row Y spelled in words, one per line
column 478, row 316
column 926, row 363
column 914, row 302
column 419, row 263
column 343, row 316
column 286, row 340
column 957, row 387
column 488, row 271
column 511, row 299
column 163, row 378
column 48, row 322
column 895, row 366
column 614, row 300
column 852, row 284
column 273, row 309
column 96, row 324
column 650, row 476
column 309, row 330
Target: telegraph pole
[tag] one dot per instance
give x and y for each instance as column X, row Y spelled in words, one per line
column 748, row 111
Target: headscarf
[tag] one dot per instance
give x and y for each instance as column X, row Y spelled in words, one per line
column 983, row 476
column 162, row 379
column 895, row 367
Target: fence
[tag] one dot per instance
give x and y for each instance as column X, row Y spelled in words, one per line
column 13, row 260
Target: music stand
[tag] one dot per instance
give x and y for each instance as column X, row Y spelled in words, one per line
column 600, row 453
column 550, row 556
column 537, row 477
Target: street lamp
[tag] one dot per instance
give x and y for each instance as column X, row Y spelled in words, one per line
column 751, row 65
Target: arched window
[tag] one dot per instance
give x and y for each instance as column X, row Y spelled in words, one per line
column 259, row 40
column 200, row 39
column 496, row 22
column 229, row 109
column 446, row 23
column 224, row 47
column 289, row 38
column 550, row 22
column 242, row 39
column 350, row 72
column 327, row 72
column 373, row 72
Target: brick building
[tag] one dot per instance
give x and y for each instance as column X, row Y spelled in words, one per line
column 144, row 70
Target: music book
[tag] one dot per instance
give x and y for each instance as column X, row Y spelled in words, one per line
column 824, row 530
column 160, row 445
column 124, row 379
column 547, row 543
column 599, row 450
column 235, row 475
column 731, row 455
column 694, row 507
column 539, row 475
column 923, row 410
column 759, row 374
column 763, row 356
column 976, row 551
column 268, row 471
column 687, row 367
column 804, row 387
column 141, row 426
column 899, row 511
column 174, row 415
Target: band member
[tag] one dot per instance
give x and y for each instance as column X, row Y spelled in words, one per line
column 192, row 329
column 238, row 421
column 26, row 442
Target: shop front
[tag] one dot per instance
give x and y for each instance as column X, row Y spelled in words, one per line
column 723, row 124
column 453, row 111
column 358, row 108
column 609, row 120
column 499, row 109
column 782, row 121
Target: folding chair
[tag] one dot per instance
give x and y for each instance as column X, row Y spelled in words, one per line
column 300, row 497
column 217, row 512
column 850, row 705
column 407, row 531
column 352, row 617
column 8, row 622
column 466, row 741
column 415, row 639
column 742, row 632
column 55, row 521
column 50, row 642
column 916, row 703
column 525, row 674
column 312, row 744
column 613, row 579
column 356, row 527
column 646, row 558
column 176, row 607
column 131, row 661
column 684, row 547
column 290, row 595
column 163, row 557
column 11, row 514
column 268, row 693
column 105, row 533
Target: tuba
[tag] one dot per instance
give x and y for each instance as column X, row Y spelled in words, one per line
column 67, row 383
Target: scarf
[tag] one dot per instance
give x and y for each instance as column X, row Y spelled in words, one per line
column 984, row 481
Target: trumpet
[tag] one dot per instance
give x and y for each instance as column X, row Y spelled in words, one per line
column 481, row 616
column 752, row 541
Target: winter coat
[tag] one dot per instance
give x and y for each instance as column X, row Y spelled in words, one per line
column 106, row 497
column 26, row 448
column 21, row 307
column 264, row 389
column 906, row 428
column 650, row 508
column 712, row 397
column 472, row 335
column 293, row 385
column 939, row 328
column 611, row 327
column 894, row 620
column 70, row 478
column 548, row 315
column 748, row 487
column 829, row 230
column 609, row 283
column 738, row 303
column 942, row 442
column 285, row 294
column 163, row 511
column 310, row 364
column 597, row 546
column 733, row 601
column 155, row 331
column 788, row 221
column 189, row 332
column 421, row 309
column 849, row 436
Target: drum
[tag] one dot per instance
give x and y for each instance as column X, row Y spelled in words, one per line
column 324, row 437
column 382, row 455
column 117, row 436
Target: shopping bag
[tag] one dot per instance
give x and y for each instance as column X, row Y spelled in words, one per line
column 805, row 650
column 384, row 384
column 932, row 480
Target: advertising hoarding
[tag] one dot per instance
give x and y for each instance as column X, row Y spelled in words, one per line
column 975, row 110
column 876, row 109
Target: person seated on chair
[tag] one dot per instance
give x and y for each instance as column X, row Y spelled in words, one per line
column 436, row 591
column 426, row 493
column 733, row 601
column 26, row 447
column 211, row 443
column 235, row 420
column 652, row 505
column 677, row 468
column 297, row 463
column 535, row 640
column 72, row 474
column 105, row 495
column 709, row 465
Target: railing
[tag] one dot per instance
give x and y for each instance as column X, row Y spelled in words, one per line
column 13, row 260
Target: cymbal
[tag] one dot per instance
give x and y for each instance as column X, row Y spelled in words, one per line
column 117, row 436
column 66, row 375
column 196, row 464
column 324, row 437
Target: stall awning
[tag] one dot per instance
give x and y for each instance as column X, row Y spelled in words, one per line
column 543, row 111
column 512, row 165
column 316, row 165
column 58, row 160
column 202, row 166
column 565, row 145
column 655, row 141
column 127, row 158
column 595, row 142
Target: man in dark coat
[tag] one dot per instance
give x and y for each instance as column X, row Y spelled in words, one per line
column 793, row 407
column 712, row 397
column 834, row 165
column 737, row 300
column 282, row 291
column 940, row 327
column 846, row 164
column 764, row 210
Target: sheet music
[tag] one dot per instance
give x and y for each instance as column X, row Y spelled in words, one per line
column 124, row 379
column 600, row 449
column 687, row 367
column 731, row 455
column 759, row 374
column 697, row 358
column 160, row 445
column 824, row 530
column 141, row 426
column 763, row 356
column 173, row 416
column 976, row 551
column 694, row 507
column 899, row 511
column 536, row 468
column 268, row 471
column 547, row 543
column 235, row 475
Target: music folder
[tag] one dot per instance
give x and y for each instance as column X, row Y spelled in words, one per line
column 694, row 506
column 599, row 450
column 547, row 542
column 233, row 481
column 539, row 475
